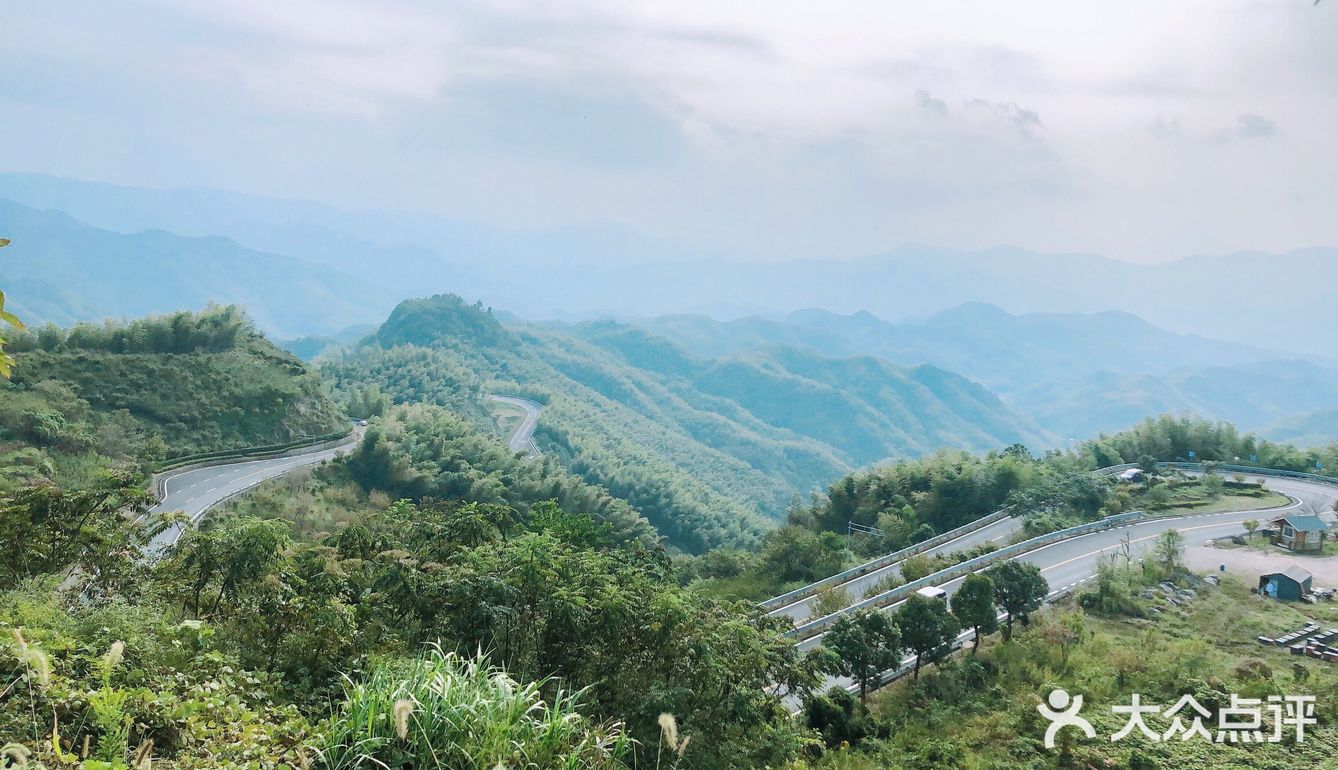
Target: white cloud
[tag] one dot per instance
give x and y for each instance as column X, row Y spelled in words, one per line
column 759, row 126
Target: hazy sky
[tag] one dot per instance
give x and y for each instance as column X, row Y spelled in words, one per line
column 1144, row 129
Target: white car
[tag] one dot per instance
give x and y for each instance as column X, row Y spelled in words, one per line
column 933, row 592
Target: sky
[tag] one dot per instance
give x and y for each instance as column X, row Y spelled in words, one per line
column 1144, row 130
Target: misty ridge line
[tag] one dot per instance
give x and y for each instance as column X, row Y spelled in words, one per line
column 1074, row 344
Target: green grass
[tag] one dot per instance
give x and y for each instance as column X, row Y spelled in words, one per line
column 443, row 711
column 1184, row 497
column 1259, row 543
column 1244, row 501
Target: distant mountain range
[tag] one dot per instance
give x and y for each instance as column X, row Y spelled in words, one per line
column 1273, row 301
column 702, row 447
column 1075, row 375
column 1077, row 344
column 62, row 270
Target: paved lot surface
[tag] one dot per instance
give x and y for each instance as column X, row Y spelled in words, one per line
column 1249, row 564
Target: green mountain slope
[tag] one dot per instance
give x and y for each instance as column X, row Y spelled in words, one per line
column 154, row 388
column 1307, row 430
column 707, row 450
column 1256, row 396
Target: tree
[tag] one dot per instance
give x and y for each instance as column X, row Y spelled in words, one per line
column 1064, row 633
column 973, row 606
column 864, row 645
column 916, row 566
column 841, row 718
column 368, row 402
column 794, row 553
column 1252, row 524
column 45, row 528
column 235, row 556
column 1019, row 589
column 1166, row 552
column 6, row 360
column 927, row 628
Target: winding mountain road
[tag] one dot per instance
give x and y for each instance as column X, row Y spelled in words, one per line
column 522, row 440
column 195, row 491
column 1000, row 533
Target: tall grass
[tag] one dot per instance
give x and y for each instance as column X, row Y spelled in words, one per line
column 446, row 711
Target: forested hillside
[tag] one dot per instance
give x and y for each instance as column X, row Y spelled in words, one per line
column 147, row 390
column 707, row 450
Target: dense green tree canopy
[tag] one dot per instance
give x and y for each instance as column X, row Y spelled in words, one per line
column 864, row 645
column 927, row 628
column 1019, row 590
column 973, row 606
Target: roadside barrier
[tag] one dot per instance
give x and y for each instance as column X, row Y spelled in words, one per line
column 249, row 452
column 799, row 594
column 815, row 627
column 873, row 565
column 204, row 459
column 1248, row 470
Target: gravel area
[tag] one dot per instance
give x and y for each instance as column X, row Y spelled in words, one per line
column 1249, row 564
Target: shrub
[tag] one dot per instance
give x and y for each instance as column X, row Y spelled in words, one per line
column 444, row 711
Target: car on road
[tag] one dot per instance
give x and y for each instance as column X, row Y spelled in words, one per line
column 933, row 592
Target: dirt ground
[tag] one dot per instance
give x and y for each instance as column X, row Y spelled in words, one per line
column 1249, row 564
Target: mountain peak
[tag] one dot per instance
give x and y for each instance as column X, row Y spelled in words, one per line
column 970, row 312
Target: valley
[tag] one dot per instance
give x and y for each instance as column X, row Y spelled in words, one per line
column 496, row 386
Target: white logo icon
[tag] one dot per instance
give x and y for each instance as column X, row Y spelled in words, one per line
column 1063, row 712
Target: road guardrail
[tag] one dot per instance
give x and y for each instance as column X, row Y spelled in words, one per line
column 799, row 594
column 246, row 452
column 815, row 627
column 873, row 565
column 1251, row 470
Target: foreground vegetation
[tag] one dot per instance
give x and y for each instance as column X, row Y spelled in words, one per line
column 348, row 617
column 243, row 636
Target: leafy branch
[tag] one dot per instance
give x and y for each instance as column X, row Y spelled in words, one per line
column 6, row 360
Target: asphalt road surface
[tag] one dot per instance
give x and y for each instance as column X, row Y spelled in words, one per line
column 196, row 491
column 1000, row 533
column 522, row 440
